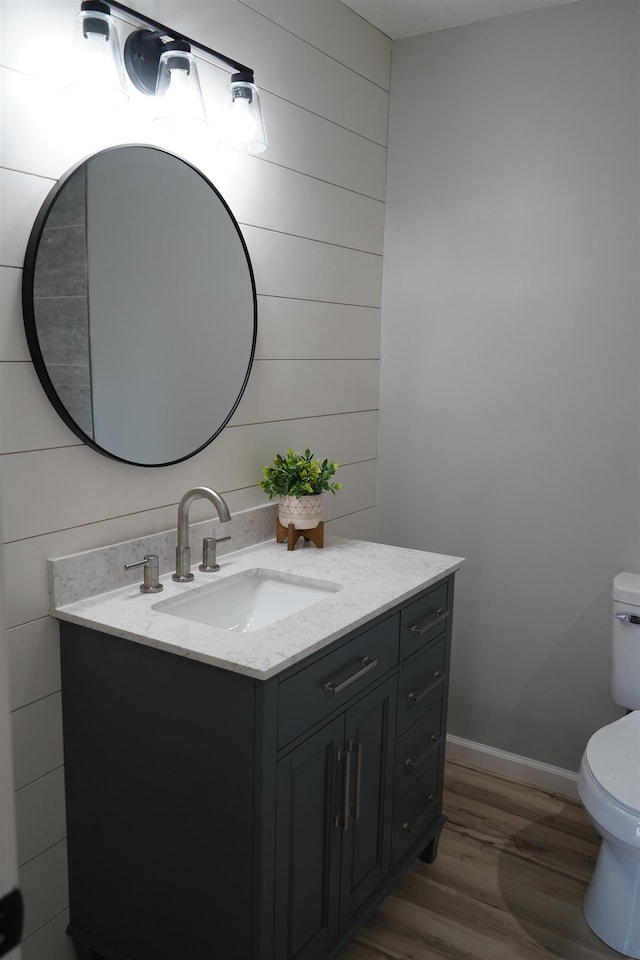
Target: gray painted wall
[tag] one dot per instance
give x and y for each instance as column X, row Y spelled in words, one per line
column 510, row 403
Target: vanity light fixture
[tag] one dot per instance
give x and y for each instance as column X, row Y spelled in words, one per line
column 160, row 63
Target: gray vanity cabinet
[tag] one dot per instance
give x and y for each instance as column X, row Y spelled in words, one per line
column 213, row 814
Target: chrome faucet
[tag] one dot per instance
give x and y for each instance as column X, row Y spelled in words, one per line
column 183, row 551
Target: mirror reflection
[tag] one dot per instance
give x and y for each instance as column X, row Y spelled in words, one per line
column 140, row 306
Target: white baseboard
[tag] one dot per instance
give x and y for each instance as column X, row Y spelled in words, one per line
column 543, row 775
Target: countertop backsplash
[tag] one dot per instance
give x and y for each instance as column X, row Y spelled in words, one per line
column 92, row 572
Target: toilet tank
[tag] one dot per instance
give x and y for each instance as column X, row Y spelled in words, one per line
column 625, row 655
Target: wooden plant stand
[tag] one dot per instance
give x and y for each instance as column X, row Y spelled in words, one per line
column 291, row 535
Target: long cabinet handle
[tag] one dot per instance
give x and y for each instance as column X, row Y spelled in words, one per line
column 348, row 811
column 358, row 747
column 366, row 664
column 419, row 628
column 417, row 697
column 343, row 821
column 411, row 764
column 410, row 827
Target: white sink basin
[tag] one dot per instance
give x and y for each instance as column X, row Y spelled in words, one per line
column 247, row 601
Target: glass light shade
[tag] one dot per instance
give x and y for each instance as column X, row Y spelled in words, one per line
column 97, row 72
column 243, row 127
column 178, row 100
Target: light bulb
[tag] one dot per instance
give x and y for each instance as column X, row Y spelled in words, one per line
column 242, row 123
column 243, row 128
column 97, row 72
column 178, row 95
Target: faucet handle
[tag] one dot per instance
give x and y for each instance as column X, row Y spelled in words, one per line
column 209, row 563
column 151, row 564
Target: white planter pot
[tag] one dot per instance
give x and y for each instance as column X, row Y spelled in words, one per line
column 304, row 513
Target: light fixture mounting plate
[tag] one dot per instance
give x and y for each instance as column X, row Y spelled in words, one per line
column 142, row 51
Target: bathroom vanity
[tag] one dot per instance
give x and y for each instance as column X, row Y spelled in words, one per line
column 255, row 795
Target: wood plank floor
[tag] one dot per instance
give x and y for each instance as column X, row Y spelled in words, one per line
column 507, row 884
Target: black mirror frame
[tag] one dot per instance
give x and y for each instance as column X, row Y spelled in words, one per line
column 29, row 318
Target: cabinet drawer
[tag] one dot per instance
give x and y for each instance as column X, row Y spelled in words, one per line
column 425, row 619
column 420, row 681
column 418, row 746
column 416, row 810
column 324, row 686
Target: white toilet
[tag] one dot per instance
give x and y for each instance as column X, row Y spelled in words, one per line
column 609, row 786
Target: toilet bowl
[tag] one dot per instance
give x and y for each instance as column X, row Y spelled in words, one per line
column 609, row 787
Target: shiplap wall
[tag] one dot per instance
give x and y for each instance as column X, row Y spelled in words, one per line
column 311, row 210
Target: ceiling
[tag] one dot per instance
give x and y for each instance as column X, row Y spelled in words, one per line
column 408, row 18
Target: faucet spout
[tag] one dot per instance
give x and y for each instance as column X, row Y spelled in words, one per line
column 183, row 551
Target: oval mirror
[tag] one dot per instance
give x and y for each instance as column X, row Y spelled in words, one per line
column 139, row 305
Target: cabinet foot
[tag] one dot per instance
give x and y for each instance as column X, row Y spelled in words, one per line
column 430, row 852
column 85, row 953
column 81, row 950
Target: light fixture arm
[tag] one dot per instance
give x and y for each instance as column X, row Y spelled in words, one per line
column 158, row 30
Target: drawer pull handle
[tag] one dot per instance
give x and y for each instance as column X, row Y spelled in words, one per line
column 419, row 628
column 366, row 664
column 417, row 697
column 410, row 827
column 411, row 764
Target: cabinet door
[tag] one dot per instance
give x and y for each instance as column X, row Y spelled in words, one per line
column 310, row 808
column 366, row 837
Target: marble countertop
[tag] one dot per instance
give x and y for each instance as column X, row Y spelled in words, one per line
column 373, row 577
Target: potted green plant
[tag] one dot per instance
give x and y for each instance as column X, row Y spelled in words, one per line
column 299, row 479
